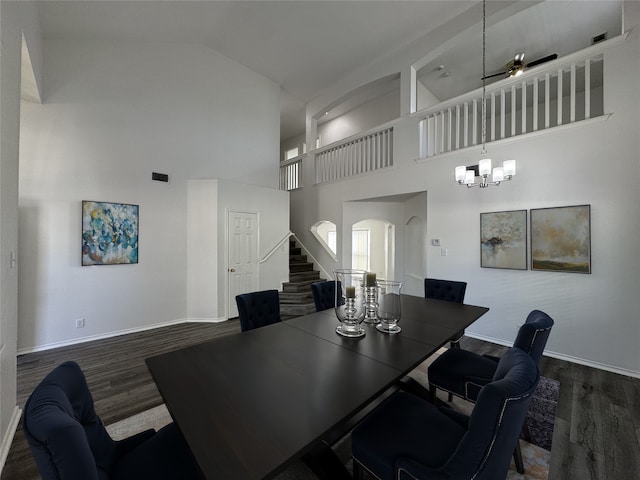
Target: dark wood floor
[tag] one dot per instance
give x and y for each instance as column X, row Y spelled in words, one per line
column 596, row 436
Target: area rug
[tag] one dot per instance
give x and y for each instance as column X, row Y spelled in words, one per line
column 542, row 414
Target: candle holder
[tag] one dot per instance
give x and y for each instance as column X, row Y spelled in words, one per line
column 349, row 302
column 389, row 306
column 371, row 299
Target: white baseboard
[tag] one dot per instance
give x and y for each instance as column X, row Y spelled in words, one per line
column 8, row 436
column 567, row 358
column 206, row 320
column 75, row 341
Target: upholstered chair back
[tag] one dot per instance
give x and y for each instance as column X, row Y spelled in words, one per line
column 66, row 436
column 448, row 290
column 324, row 295
column 257, row 309
column 533, row 334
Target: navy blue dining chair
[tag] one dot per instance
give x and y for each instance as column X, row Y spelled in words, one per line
column 258, row 309
column 324, row 295
column 70, row 442
column 463, row 373
column 408, row 438
column 449, row 291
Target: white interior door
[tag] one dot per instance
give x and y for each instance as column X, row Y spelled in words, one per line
column 242, row 231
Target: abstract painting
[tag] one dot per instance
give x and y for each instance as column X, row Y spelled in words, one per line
column 109, row 233
column 503, row 240
column 561, row 239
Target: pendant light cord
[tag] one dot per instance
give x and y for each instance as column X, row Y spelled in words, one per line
column 483, row 153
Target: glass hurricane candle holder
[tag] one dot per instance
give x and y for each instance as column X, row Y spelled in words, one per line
column 371, row 299
column 349, row 302
column 389, row 306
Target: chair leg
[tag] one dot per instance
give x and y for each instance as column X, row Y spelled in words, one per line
column 357, row 470
column 432, row 394
column 517, row 458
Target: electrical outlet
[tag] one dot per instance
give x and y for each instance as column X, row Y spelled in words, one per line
column 435, row 242
column 80, row 322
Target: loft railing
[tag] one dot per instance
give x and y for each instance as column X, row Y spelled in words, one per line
column 355, row 155
column 290, row 173
column 561, row 92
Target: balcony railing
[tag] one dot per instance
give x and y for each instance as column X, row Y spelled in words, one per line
column 561, row 92
column 290, row 173
column 367, row 152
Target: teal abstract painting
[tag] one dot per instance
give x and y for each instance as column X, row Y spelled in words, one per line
column 109, row 233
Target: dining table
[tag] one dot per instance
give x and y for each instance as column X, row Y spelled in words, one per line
column 249, row 404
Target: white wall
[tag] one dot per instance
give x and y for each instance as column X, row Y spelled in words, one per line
column 594, row 163
column 16, row 19
column 368, row 115
column 207, row 235
column 112, row 114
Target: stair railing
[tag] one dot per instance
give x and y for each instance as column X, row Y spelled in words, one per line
column 323, row 271
column 278, row 245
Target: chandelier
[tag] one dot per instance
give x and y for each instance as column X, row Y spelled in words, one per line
column 498, row 175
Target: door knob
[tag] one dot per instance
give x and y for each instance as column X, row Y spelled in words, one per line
column 232, row 269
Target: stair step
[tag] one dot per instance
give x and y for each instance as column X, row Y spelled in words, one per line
column 301, row 286
column 296, row 297
column 304, row 276
column 297, row 258
column 295, row 251
column 297, row 309
column 300, row 267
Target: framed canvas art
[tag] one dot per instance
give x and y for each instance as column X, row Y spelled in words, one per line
column 109, row 233
column 561, row 239
column 503, row 240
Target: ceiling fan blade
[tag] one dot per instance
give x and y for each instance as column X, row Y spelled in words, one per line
column 494, row 75
column 548, row 58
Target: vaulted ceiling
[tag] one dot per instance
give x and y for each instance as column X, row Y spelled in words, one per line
column 305, row 46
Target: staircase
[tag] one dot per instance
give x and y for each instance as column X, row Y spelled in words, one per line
column 296, row 298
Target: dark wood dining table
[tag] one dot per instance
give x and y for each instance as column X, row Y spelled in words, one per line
column 248, row 404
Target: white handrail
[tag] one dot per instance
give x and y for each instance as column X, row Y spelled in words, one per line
column 327, row 275
column 278, row 245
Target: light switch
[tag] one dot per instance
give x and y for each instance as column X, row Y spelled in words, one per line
column 443, row 252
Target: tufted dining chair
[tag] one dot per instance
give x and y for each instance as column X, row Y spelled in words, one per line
column 408, row 438
column 69, row 441
column 324, row 295
column 463, row 373
column 258, row 309
column 449, row 291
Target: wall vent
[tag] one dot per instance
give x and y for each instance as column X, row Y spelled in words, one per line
column 599, row 38
column 159, row 177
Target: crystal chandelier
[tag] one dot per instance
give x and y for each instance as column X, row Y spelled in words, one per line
column 501, row 174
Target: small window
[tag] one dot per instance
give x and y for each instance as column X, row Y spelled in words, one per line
column 360, row 248
column 325, row 233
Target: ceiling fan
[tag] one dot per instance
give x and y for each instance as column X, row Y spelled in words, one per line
column 517, row 66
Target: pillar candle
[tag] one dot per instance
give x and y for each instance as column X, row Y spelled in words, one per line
column 350, row 292
column 371, row 280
